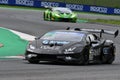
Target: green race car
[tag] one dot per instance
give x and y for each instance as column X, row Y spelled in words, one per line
column 60, row 14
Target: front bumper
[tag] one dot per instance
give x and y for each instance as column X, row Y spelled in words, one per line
column 64, row 19
column 77, row 57
column 67, row 19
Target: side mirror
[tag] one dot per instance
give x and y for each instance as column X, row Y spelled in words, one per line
column 90, row 42
column 36, row 38
column 68, row 28
column 116, row 33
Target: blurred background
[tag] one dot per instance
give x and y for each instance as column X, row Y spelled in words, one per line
column 104, row 3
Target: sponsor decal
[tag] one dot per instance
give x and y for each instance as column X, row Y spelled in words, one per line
column 98, row 9
column 47, row 42
column 78, row 7
column 117, row 11
column 49, row 4
column 4, row 1
column 25, row 2
column 75, row 7
column 50, row 48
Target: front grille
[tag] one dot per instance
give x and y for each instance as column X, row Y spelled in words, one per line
column 45, row 52
column 65, row 19
column 47, row 56
column 55, row 57
column 50, row 52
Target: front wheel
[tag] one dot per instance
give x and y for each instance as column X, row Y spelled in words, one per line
column 74, row 21
column 44, row 16
column 85, row 60
column 50, row 17
column 33, row 61
column 109, row 58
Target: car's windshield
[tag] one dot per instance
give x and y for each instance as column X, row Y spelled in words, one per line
column 62, row 10
column 64, row 36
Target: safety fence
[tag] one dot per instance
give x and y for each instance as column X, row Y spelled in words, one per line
column 78, row 7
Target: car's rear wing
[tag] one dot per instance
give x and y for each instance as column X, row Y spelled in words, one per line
column 48, row 7
column 101, row 31
column 115, row 33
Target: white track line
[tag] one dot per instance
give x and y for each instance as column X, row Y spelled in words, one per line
column 13, row 57
column 23, row 36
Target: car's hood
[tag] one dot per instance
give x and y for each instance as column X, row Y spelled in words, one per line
column 65, row 15
column 56, row 46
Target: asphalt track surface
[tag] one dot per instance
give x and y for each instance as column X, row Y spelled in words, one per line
column 31, row 22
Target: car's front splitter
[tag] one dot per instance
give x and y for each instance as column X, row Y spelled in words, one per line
column 62, row 19
column 56, row 57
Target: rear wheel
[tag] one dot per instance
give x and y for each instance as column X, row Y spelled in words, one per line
column 109, row 58
column 108, row 61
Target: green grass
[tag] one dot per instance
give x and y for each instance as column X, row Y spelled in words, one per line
column 13, row 45
column 115, row 22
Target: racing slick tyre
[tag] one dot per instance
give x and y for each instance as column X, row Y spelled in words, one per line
column 44, row 16
column 110, row 57
column 74, row 21
column 33, row 61
column 50, row 17
column 108, row 61
column 85, row 60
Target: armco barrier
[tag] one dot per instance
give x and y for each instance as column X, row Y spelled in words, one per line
column 78, row 7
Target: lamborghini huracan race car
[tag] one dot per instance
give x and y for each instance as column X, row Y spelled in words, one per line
column 82, row 46
column 60, row 14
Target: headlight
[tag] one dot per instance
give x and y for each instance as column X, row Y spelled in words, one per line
column 57, row 15
column 73, row 15
column 31, row 47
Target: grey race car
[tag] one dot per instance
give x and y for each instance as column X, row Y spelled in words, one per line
column 82, row 46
